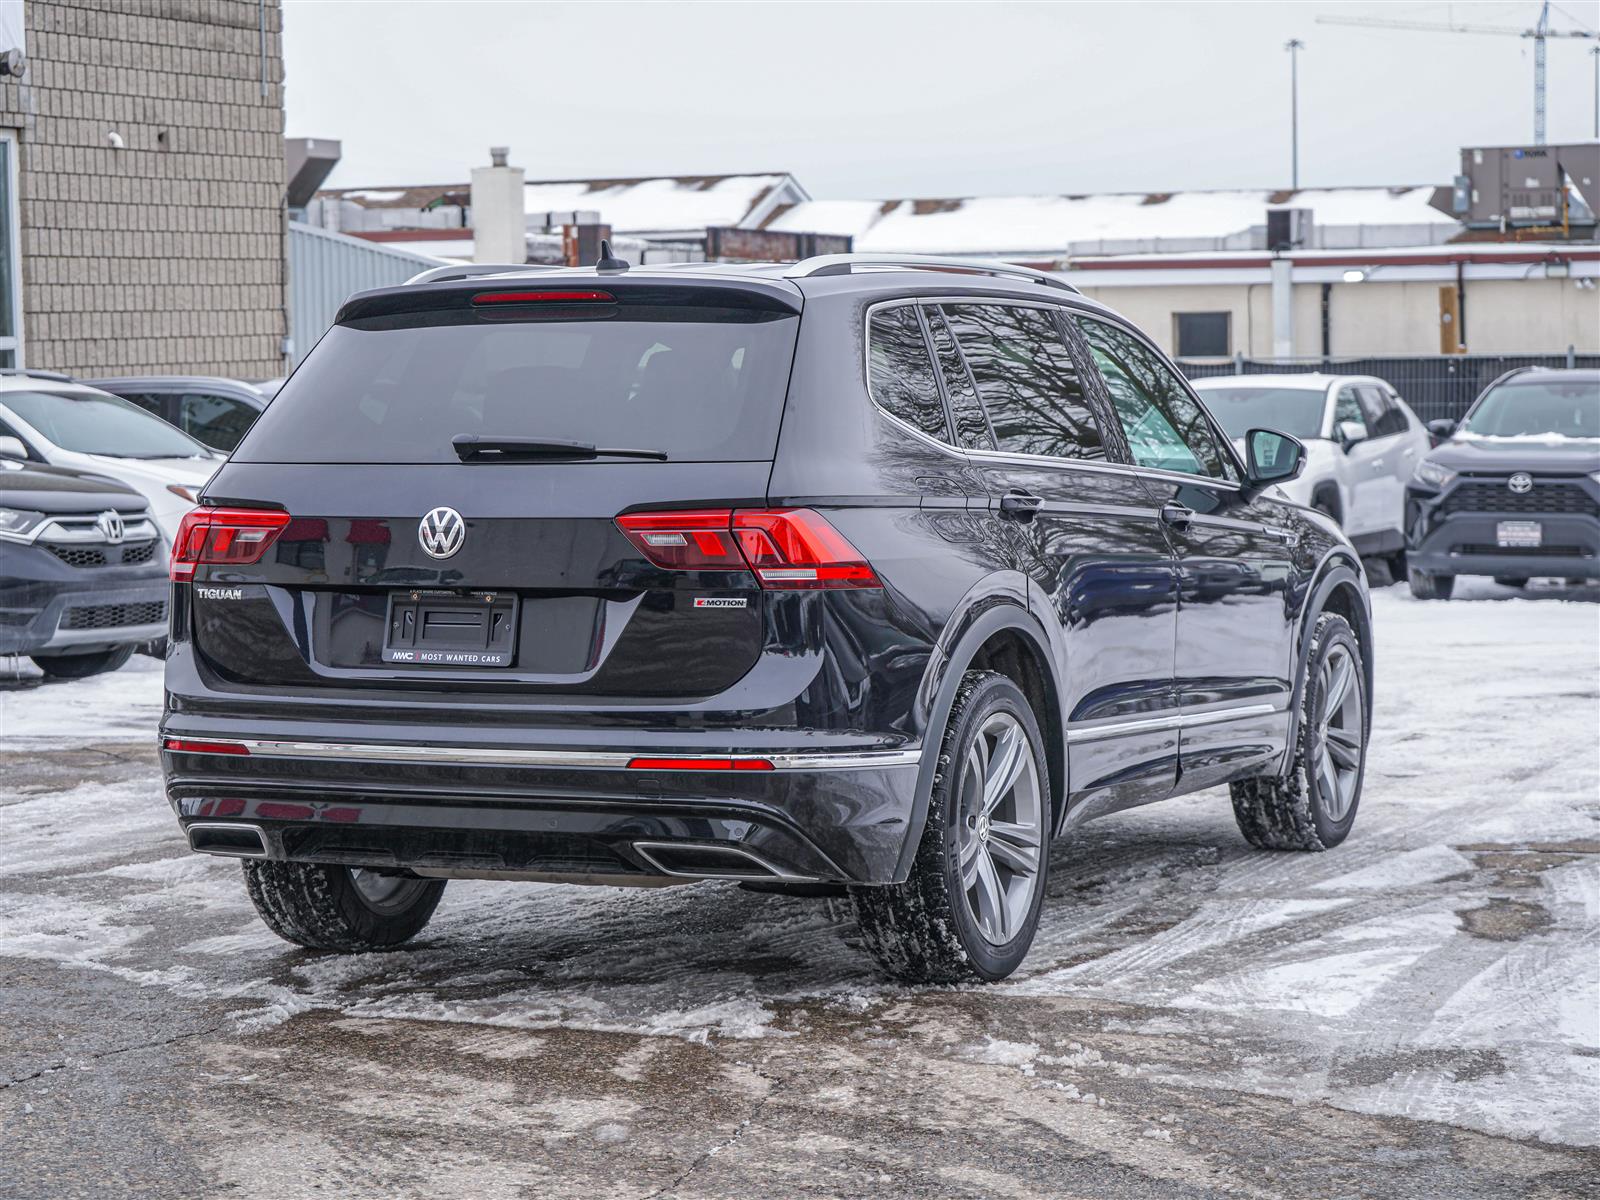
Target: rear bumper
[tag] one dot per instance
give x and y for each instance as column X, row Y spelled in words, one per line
column 839, row 816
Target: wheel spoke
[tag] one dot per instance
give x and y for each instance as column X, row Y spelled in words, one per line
column 1014, row 846
column 1005, row 764
column 1328, row 781
column 992, row 916
column 971, row 852
column 1340, row 672
column 1345, row 748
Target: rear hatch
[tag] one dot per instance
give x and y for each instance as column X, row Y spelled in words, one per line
column 452, row 460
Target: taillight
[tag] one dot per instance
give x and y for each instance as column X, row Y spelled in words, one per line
column 699, row 764
column 188, row 746
column 545, row 297
column 785, row 547
column 234, row 537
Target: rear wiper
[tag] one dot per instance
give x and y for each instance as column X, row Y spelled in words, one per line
column 474, row 447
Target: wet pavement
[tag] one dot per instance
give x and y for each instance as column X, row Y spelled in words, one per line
column 1416, row 1013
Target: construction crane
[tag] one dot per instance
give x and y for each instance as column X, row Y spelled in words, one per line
column 1540, row 34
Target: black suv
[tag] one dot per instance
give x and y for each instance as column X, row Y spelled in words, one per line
column 869, row 573
column 82, row 580
column 1515, row 491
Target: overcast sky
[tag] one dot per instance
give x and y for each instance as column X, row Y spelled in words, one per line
column 881, row 100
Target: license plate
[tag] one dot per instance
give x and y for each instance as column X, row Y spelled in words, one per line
column 451, row 629
column 1519, row 535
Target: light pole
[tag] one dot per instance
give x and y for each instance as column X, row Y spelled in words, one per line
column 1294, row 46
column 1594, row 53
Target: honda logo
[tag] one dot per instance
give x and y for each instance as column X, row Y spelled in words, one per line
column 441, row 532
column 109, row 523
column 1521, row 483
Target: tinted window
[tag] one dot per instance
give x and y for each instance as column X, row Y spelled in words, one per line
column 698, row 384
column 1391, row 418
column 1026, row 379
column 1549, row 407
column 98, row 423
column 972, row 426
column 1373, row 405
column 1239, row 409
column 1165, row 427
column 901, row 373
column 151, row 402
column 1347, row 408
column 218, row 421
column 1202, row 335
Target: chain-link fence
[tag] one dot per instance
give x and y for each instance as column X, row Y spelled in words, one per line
column 1439, row 385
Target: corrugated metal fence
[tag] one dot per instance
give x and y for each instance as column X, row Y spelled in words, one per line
column 1439, row 385
column 325, row 268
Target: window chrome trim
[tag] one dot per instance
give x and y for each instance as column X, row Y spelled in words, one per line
column 1179, row 721
column 590, row 759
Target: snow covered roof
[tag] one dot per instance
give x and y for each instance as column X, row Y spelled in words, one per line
column 655, row 204
column 1116, row 223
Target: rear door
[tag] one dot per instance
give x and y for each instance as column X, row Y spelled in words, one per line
column 409, row 563
column 1236, row 576
column 1088, row 536
column 1363, row 462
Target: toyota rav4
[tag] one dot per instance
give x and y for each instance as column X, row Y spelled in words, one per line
column 857, row 574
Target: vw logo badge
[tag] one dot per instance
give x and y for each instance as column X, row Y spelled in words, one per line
column 441, row 532
column 109, row 523
column 1521, row 483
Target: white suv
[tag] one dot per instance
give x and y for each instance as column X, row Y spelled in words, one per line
column 1362, row 444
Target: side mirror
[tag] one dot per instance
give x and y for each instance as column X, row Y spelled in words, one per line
column 1349, row 433
column 1272, row 457
column 1441, row 429
column 11, row 447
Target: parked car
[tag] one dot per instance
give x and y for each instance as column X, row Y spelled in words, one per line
column 1515, row 490
column 210, row 410
column 1362, row 444
column 51, row 419
column 855, row 573
column 83, row 580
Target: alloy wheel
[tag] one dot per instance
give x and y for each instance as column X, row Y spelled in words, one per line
column 1338, row 731
column 1000, row 836
column 385, row 893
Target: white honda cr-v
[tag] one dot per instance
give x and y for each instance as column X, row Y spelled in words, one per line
column 1362, row 444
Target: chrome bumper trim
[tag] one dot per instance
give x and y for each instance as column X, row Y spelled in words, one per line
column 597, row 759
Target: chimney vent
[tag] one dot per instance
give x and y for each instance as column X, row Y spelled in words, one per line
column 498, row 155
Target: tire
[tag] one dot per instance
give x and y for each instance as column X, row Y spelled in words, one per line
column 1430, row 587
column 324, row 907
column 81, row 666
column 1301, row 811
column 1328, row 506
column 1397, row 566
column 1512, row 581
column 933, row 928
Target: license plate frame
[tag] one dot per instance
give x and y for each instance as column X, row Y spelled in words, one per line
column 433, row 628
column 1519, row 535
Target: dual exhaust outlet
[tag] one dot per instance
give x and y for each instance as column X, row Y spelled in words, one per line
column 680, row 860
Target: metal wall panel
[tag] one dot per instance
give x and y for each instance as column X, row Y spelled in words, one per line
column 325, row 268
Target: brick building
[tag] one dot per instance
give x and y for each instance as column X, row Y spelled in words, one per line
column 142, row 225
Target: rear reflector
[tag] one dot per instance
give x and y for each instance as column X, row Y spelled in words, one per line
column 786, row 548
column 186, row 746
column 699, row 764
column 224, row 537
column 564, row 297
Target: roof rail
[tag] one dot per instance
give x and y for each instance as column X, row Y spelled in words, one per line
column 53, row 376
column 470, row 270
column 844, row 264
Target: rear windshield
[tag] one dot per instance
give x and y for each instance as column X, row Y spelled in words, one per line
column 696, row 384
column 1295, row 411
column 1568, row 408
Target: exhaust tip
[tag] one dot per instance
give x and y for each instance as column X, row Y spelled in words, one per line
column 700, row 861
column 229, row 839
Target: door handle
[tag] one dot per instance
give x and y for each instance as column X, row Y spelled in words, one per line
column 1377, row 464
column 1177, row 515
column 1020, row 505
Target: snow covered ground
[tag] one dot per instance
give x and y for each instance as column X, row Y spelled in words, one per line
column 1443, row 965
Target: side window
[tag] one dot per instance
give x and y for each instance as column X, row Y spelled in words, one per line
column 1166, row 427
column 1393, row 418
column 153, row 403
column 218, row 421
column 900, row 373
column 1373, row 405
column 1026, row 379
column 1347, row 408
column 972, row 426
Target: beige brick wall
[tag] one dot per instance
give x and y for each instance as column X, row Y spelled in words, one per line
column 166, row 255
